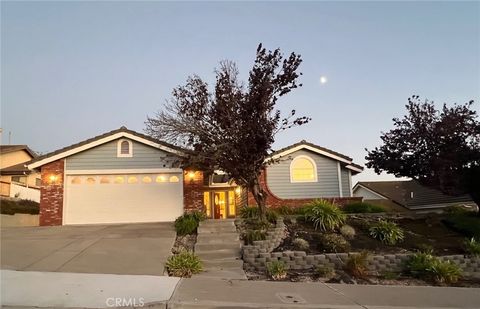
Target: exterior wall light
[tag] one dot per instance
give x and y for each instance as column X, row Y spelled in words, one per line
column 191, row 175
column 52, row 179
column 238, row 190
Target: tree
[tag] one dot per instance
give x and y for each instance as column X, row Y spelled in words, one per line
column 233, row 128
column 439, row 148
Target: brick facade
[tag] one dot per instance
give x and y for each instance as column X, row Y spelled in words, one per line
column 193, row 189
column 51, row 193
column 274, row 201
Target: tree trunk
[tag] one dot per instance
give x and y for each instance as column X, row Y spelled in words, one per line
column 260, row 197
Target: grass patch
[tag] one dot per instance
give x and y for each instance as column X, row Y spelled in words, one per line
column 11, row 207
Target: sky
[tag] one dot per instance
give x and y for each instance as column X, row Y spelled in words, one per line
column 74, row 70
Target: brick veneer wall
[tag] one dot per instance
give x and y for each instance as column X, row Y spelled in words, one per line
column 193, row 192
column 51, row 194
column 274, row 201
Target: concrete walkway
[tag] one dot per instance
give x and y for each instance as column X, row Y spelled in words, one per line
column 68, row 290
column 133, row 249
column 219, row 248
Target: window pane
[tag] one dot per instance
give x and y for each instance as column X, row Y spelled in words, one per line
column 76, row 181
column 132, row 179
column 119, row 179
column 231, row 203
column 38, row 182
column 147, row 179
column 90, row 180
column 125, row 147
column 105, row 179
column 161, row 178
column 174, row 179
column 206, row 204
column 303, row 170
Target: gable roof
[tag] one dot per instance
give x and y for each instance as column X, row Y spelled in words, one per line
column 13, row 148
column 17, row 169
column 101, row 139
column 320, row 150
column 411, row 194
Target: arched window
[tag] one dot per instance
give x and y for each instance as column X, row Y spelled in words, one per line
column 303, row 169
column 124, row 148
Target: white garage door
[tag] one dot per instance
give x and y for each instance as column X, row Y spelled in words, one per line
column 123, row 198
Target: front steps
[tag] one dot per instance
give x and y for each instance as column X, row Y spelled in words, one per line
column 219, row 247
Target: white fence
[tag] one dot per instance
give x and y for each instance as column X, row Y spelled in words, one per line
column 25, row 193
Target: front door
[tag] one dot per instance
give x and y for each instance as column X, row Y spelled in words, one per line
column 219, row 204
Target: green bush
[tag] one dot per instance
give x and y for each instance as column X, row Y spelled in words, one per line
column 300, row 244
column 184, row 264
column 284, row 210
column 253, row 213
column 252, row 235
column 361, row 207
column 356, row 264
column 332, row 242
column 426, row 266
column 472, row 246
column 347, row 231
column 387, row 232
column 277, row 270
column 467, row 223
column 188, row 223
column 324, row 215
column 325, row 271
column 11, row 207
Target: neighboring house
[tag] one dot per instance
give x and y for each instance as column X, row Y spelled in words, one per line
column 16, row 180
column 410, row 195
column 124, row 176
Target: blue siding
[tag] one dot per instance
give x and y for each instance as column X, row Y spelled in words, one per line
column 105, row 157
column 278, row 178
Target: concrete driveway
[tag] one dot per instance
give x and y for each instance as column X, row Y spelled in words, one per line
column 134, row 249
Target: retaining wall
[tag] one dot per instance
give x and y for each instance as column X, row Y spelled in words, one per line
column 256, row 257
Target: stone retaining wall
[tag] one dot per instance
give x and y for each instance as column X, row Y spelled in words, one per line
column 256, row 257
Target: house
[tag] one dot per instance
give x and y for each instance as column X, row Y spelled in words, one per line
column 409, row 195
column 16, row 180
column 124, row 176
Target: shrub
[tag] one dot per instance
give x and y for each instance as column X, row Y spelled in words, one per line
column 347, row 231
column 252, row 235
column 284, row 210
column 356, row 264
column 301, row 244
column 472, row 246
column 361, row 207
column 11, row 207
column 387, row 232
column 184, row 264
column 467, row 223
column 324, row 215
column 253, row 213
column 277, row 270
column 445, row 271
column 188, row 223
column 426, row 266
column 334, row 243
column 325, row 271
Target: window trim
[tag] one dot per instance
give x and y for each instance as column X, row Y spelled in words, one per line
column 119, row 148
column 315, row 174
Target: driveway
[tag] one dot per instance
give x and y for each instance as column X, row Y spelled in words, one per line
column 134, row 249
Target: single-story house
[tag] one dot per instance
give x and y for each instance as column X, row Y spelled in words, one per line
column 409, row 195
column 16, row 180
column 124, row 176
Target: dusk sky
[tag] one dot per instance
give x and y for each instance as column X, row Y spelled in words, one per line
column 73, row 70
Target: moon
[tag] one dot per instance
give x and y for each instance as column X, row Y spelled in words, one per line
column 323, row 79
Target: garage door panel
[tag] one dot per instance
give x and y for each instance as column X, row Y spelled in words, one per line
column 90, row 201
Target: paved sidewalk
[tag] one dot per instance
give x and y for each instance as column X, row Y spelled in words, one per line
column 216, row 293
column 69, row 290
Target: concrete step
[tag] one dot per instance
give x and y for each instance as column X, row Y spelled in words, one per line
column 217, row 229
column 227, row 273
column 219, row 246
column 217, row 223
column 218, row 239
column 217, row 254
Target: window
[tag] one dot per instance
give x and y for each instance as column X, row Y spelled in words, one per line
column 38, row 182
column 119, row 179
column 147, row 179
column 76, row 181
column 132, row 179
column 19, row 179
column 90, row 180
column 124, row 148
column 174, row 179
column 161, row 178
column 104, row 180
column 303, row 169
